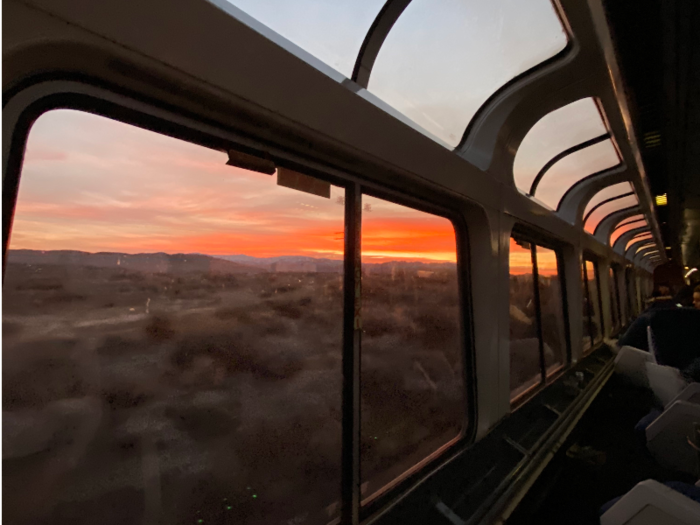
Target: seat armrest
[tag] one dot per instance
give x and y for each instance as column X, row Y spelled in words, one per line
column 668, row 434
column 631, row 362
column 652, row 502
column 691, row 394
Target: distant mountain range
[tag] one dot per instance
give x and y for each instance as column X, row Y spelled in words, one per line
column 197, row 262
column 178, row 263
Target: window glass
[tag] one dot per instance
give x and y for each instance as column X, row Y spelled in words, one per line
column 625, row 227
column 525, row 369
column 609, row 192
column 554, row 133
column 606, row 209
column 644, row 246
column 333, row 32
column 412, row 394
column 572, row 168
column 552, row 309
column 640, row 237
column 172, row 335
column 442, row 60
column 594, row 302
column 614, row 299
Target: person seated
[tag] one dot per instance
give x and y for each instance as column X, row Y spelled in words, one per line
column 636, row 335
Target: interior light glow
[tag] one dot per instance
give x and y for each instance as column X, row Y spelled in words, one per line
column 661, row 200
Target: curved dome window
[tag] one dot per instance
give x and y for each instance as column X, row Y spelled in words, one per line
column 644, row 247
column 562, row 148
column 333, row 31
column 631, row 223
column 573, row 168
column 598, row 212
column 443, row 59
column 641, row 237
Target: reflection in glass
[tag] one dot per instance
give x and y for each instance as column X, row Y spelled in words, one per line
column 554, row 133
column 333, row 32
column 552, row 309
column 625, row 227
column 412, row 400
column 609, row 192
column 573, row 168
column 593, row 307
column 606, row 209
column 639, row 237
column 525, row 370
column 172, row 332
column 442, row 60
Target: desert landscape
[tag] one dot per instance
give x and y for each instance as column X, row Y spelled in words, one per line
column 184, row 388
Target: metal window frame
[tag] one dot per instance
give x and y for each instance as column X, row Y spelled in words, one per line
column 535, row 240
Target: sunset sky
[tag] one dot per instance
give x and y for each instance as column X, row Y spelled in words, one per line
column 520, row 260
column 94, row 184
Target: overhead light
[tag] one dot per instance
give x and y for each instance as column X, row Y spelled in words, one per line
column 668, row 247
column 661, row 200
column 691, row 272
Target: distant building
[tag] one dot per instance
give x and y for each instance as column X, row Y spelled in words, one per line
column 291, row 266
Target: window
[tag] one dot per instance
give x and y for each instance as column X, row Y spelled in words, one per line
column 564, row 147
column 626, row 226
column 643, row 236
column 614, row 299
column 411, row 380
column 442, row 60
column 609, row 200
column 333, row 32
column 556, row 132
column 173, row 334
column 573, row 168
column 537, row 332
column 592, row 323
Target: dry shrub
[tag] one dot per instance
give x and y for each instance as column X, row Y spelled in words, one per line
column 159, row 329
column 39, row 381
column 40, row 285
column 125, row 397
column 237, row 354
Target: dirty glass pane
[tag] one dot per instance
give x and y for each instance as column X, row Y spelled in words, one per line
column 594, row 302
column 606, row 209
column 442, row 60
column 172, row 336
column 525, row 369
column 554, row 133
column 552, row 308
column 572, row 168
column 333, row 31
column 412, row 389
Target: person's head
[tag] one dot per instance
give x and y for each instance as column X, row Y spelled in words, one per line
column 696, row 297
column 664, row 290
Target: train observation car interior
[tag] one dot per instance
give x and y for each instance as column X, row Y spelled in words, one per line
column 310, row 262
